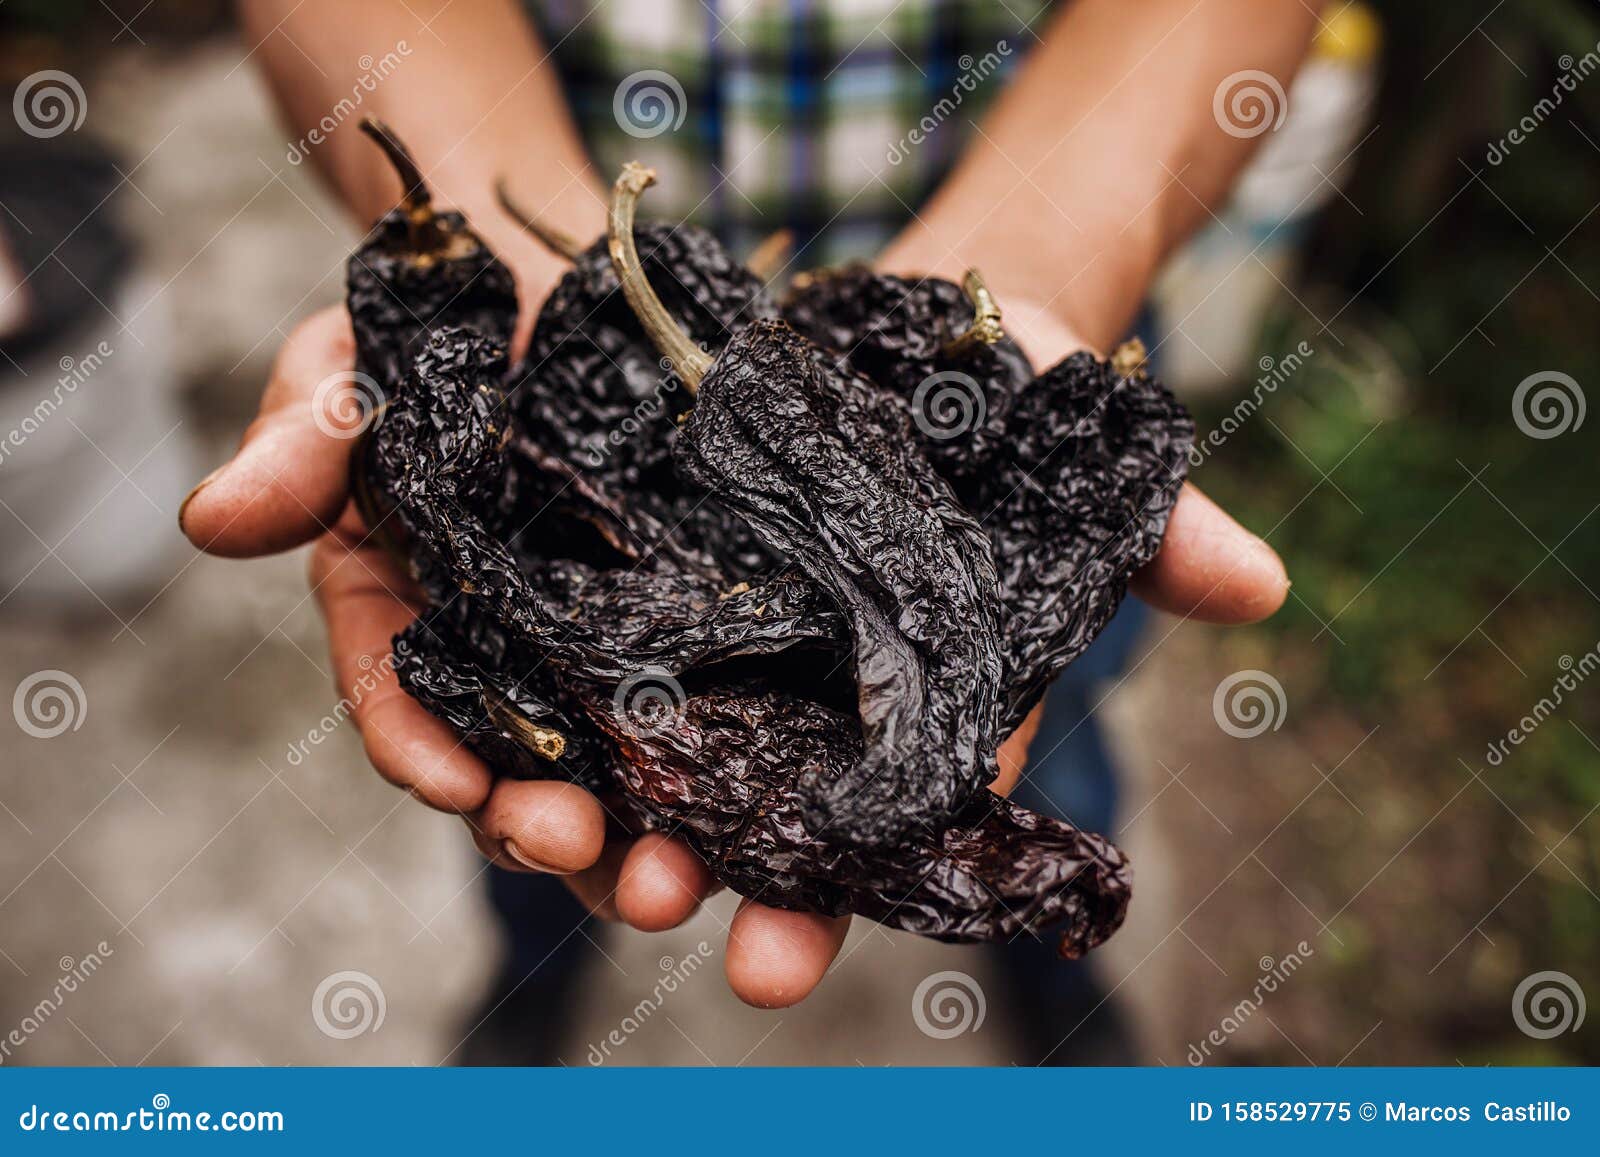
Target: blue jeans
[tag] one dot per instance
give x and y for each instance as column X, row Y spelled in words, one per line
column 1070, row 773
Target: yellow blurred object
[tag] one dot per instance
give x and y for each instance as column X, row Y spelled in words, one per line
column 1351, row 33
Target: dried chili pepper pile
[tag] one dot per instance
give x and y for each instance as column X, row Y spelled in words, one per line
column 775, row 577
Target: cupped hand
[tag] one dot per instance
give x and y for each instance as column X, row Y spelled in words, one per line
column 287, row 485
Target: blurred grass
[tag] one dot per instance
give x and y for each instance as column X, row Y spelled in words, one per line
column 1426, row 595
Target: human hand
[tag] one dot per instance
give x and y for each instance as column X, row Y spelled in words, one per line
column 286, row 486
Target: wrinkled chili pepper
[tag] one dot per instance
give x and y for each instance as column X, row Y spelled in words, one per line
column 724, row 773
column 1072, row 474
column 417, row 269
column 937, row 344
column 723, row 768
column 1096, row 453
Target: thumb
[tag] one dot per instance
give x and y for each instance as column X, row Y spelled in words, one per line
column 288, row 481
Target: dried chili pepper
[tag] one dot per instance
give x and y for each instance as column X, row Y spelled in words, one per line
column 420, row 268
column 1097, row 452
column 935, row 343
column 1072, row 474
column 724, row 771
column 417, row 269
column 828, row 719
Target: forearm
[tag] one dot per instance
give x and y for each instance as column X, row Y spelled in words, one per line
column 1103, row 154
column 468, row 88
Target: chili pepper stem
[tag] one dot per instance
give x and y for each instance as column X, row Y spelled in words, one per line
column 545, row 742
column 1129, row 358
column 415, row 199
column 769, row 258
column 558, row 241
column 686, row 359
column 985, row 328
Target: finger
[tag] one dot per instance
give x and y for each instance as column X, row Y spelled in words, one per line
column 364, row 599
column 775, row 958
column 1211, row 568
column 661, row 884
column 542, row 825
column 596, row 887
column 287, row 482
column 1013, row 753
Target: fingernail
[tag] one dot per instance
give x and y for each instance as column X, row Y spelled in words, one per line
column 183, row 508
column 510, row 847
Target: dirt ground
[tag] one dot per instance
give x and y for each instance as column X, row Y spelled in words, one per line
column 227, row 882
